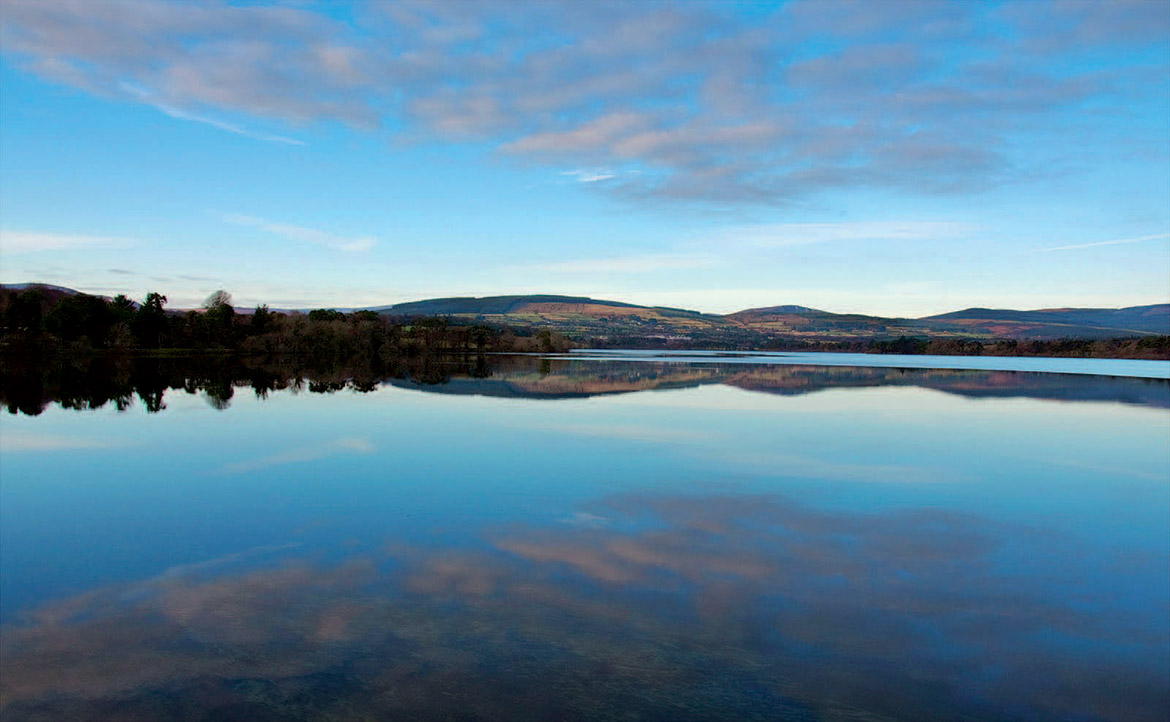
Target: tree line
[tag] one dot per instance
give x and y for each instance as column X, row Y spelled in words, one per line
column 1143, row 347
column 46, row 320
column 1132, row 347
column 38, row 319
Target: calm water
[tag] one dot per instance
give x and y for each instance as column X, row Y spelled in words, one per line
column 674, row 538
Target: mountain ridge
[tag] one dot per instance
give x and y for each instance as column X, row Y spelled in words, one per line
column 585, row 315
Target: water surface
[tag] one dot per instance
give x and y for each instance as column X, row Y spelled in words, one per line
column 667, row 538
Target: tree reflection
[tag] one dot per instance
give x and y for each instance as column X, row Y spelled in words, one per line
column 28, row 385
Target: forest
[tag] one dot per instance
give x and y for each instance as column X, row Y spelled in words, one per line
column 39, row 320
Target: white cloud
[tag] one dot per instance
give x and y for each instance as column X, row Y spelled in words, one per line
column 174, row 112
column 690, row 92
column 795, row 465
column 1115, row 242
column 627, row 432
column 14, row 441
column 640, row 263
column 583, row 175
column 215, row 563
column 229, row 127
column 30, row 241
column 303, row 455
column 793, row 234
column 303, row 234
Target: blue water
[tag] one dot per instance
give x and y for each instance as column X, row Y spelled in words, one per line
column 691, row 539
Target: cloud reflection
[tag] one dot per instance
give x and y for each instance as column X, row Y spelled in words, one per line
column 354, row 445
column 679, row 607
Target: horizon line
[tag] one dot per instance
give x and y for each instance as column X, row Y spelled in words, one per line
column 248, row 308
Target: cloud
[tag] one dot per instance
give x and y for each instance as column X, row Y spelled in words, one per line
column 1078, row 25
column 303, row 234
column 1115, row 242
column 582, row 175
column 21, row 441
column 794, row 234
column 809, row 467
column 30, row 241
column 626, row 432
column 710, row 105
column 640, row 263
column 229, row 127
column 302, row 455
column 218, row 564
column 888, row 611
column 178, row 113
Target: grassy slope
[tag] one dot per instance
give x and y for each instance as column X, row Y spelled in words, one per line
column 589, row 318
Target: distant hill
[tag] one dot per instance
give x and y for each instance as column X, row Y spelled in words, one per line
column 52, row 293
column 496, row 305
column 777, row 310
column 1086, row 322
column 578, row 316
column 804, row 321
column 616, row 322
column 48, row 287
column 582, row 316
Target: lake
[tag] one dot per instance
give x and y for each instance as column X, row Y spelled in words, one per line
column 609, row 536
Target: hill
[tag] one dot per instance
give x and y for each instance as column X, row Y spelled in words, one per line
column 495, row 305
column 804, row 322
column 52, row 293
column 579, row 316
column 616, row 323
column 1050, row 322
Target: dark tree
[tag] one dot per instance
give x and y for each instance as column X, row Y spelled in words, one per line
column 326, row 314
column 151, row 320
column 261, row 320
column 123, row 309
column 81, row 318
column 220, row 315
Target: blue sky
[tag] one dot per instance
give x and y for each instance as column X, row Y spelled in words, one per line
column 899, row 158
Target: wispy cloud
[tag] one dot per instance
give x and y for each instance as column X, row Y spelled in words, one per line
column 639, row 263
column 26, row 241
column 594, row 175
column 216, row 563
column 1114, row 242
column 303, row 234
column 883, row 95
column 224, row 125
column 628, row 433
column 794, row 234
column 816, row 468
column 179, row 114
column 302, row 455
column 14, row 441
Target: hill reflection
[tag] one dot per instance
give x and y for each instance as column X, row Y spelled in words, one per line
column 30, row 386
column 659, row 607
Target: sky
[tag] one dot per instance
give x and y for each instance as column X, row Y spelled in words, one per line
column 895, row 158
